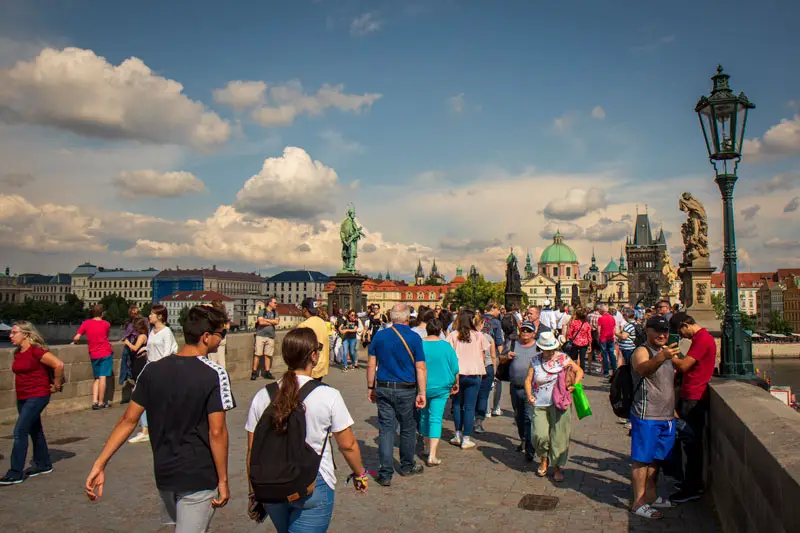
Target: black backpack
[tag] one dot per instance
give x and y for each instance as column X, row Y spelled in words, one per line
column 641, row 335
column 622, row 391
column 283, row 467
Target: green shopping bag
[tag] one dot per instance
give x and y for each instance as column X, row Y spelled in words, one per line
column 581, row 402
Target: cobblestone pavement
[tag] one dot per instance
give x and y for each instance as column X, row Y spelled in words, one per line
column 476, row 489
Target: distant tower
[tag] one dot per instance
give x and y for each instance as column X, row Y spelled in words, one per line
column 622, row 268
column 645, row 257
column 594, row 271
column 435, row 272
column 459, row 272
column 380, row 276
column 388, row 276
column 419, row 276
column 528, row 266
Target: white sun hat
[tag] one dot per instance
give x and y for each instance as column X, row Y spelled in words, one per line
column 547, row 341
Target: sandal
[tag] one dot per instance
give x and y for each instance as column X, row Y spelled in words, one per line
column 434, row 462
column 558, row 477
column 645, row 511
column 542, row 470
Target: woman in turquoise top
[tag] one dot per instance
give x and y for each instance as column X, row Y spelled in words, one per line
column 441, row 362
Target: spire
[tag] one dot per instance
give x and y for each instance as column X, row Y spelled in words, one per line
column 388, row 276
column 622, row 267
column 434, row 268
column 558, row 238
column 528, row 266
column 419, row 273
column 594, row 259
column 380, row 276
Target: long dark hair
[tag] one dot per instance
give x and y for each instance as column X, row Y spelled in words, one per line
column 141, row 325
column 298, row 347
column 465, row 326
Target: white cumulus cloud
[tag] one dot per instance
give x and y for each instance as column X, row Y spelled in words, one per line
column 781, row 140
column 599, row 113
column 577, row 203
column 140, row 183
column 241, row 94
column 608, row 230
column 78, row 91
column 292, row 186
column 567, row 229
column 286, row 102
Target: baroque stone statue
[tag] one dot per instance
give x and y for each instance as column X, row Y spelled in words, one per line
column 513, row 281
column 694, row 230
column 350, row 233
column 670, row 273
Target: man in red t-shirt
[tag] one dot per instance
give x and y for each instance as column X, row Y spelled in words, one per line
column 697, row 367
column 100, row 351
column 607, row 327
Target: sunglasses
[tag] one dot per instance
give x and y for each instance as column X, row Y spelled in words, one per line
column 222, row 334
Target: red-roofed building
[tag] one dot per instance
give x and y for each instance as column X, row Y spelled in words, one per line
column 387, row 292
column 749, row 283
column 178, row 300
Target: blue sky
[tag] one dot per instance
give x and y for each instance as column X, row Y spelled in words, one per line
column 487, row 114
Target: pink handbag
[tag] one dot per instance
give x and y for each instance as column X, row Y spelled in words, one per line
column 562, row 398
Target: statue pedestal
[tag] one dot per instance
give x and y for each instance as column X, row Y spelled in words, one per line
column 513, row 298
column 696, row 295
column 347, row 293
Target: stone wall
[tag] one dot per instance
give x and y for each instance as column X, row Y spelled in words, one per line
column 754, row 460
column 78, row 372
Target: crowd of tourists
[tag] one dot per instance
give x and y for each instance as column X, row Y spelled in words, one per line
column 419, row 362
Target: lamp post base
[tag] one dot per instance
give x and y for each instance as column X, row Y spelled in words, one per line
column 737, row 350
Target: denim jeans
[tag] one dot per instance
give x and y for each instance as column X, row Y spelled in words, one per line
column 626, row 355
column 350, row 351
column 609, row 357
column 483, row 393
column 579, row 354
column 395, row 406
column 523, row 414
column 126, row 365
column 498, row 394
column 29, row 422
column 464, row 403
column 311, row 514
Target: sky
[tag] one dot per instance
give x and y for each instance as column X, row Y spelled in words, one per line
column 188, row 134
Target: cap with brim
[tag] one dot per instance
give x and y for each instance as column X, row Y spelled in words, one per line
column 311, row 305
column 657, row 323
column 527, row 325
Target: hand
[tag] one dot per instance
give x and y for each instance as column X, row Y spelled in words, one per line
column 531, row 400
column 360, row 483
column 56, row 388
column 256, row 510
column 371, row 395
column 454, row 389
column 420, row 400
column 668, row 352
column 94, row 483
column 571, row 388
column 224, row 495
column 511, row 355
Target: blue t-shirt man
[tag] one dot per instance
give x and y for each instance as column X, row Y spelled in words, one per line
column 394, row 362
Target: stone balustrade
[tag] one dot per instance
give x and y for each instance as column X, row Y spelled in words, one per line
column 77, row 391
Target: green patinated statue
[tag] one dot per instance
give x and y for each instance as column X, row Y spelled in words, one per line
column 350, row 233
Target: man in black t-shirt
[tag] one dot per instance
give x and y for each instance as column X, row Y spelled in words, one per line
column 186, row 396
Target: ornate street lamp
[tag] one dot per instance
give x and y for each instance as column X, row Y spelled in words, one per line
column 723, row 117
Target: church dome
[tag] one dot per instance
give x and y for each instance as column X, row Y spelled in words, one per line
column 558, row 252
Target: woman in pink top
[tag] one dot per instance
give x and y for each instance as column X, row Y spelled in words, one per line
column 102, row 355
column 470, row 346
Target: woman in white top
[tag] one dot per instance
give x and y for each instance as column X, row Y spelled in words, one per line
column 551, row 425
column 325, row 414
column 160, row 343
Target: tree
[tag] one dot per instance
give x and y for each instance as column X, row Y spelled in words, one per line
column 472, row 296
column 146, row 309
column 183, row 316
column 779, row 324
column 116, row 308
column 748, row 322
column 718, row 301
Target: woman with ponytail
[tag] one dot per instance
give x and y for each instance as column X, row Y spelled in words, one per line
column 325, row 413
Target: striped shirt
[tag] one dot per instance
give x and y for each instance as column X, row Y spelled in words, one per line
column 629, row 343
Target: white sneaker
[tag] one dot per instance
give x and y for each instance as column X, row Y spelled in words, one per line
column 489, row 414
column 467, row 444
column 456, row 441
column 141, row 437
column 497, row 412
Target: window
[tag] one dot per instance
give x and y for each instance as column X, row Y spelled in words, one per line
column 555, row 271
column 569, row 271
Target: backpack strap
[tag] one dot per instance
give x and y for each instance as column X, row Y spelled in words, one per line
column 307, row 389
column 272, row 390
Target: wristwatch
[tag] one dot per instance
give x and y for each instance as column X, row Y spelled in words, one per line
column 371, row 388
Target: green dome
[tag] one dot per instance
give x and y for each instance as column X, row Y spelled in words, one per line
column 558, row 252
column 611, row 267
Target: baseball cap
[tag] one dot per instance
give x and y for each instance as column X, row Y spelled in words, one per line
column 528, row 325
column 658, row 323
column 310, row 304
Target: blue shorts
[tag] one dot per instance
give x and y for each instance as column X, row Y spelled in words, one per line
column 102, row 367
column 651, row 440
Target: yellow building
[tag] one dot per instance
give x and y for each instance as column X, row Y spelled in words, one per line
column 558, row 263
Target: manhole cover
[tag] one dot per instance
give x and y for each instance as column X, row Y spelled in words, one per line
column 67, row 440
column 538, row 502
